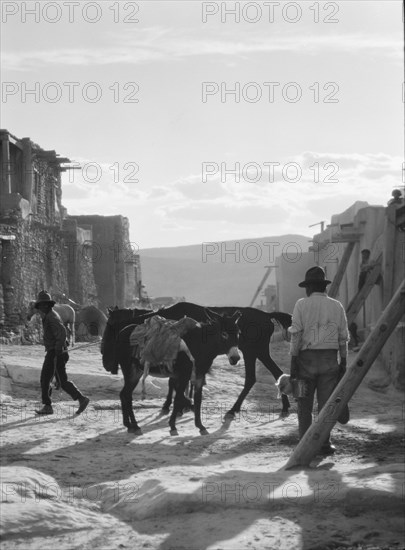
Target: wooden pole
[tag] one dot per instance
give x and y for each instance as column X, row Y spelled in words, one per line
column 268, row 271
column 6, row 170
column 318, row 432
column 354, row 307
column 389, row 252
column 334, row 287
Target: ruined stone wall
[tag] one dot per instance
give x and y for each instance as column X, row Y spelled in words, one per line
column 33, row 261
column 43, row 199
column 84, row 290
column 43, row 256
column 87, row 259
column 80, row 265
column 111, row 251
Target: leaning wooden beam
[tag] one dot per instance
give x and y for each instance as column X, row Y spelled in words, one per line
column 389, row 252
column 356, row 303
column 318, row 432
column 268, row 271
column 334, row 287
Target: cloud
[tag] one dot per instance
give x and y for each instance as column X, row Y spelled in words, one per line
column 237, row 213
column 156, row 44
column 219, row 207
column 194, row 188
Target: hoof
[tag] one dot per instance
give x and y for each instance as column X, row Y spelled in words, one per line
column 174, row 432
column 165, row 411
column 284, row 414
column 135, row 431
column 180, row 413
column 229, row 416
column 204, row 431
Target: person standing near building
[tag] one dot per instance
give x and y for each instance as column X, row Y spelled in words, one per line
column 319, row 332
column 56, row 356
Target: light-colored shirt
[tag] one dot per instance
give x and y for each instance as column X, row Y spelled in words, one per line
column 318, row 322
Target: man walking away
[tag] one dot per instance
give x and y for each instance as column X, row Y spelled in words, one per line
column 318, row 333
column 56, row 356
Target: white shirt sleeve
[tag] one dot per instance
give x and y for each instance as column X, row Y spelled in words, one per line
column 296, row 329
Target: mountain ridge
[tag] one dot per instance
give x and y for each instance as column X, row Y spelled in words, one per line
column 216, row 273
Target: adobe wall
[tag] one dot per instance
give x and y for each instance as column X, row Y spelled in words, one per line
column 80, row 273
column 110, row 250
column 370, row 222
column 288, row 274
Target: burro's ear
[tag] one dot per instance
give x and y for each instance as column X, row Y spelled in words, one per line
column 236, row 316
column 212, row 315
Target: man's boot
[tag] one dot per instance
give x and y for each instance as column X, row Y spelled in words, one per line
column 83, row 402
column 46, row 409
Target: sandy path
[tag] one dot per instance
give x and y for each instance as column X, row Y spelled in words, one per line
column 83, row 482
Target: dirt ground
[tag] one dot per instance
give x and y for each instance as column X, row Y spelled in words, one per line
column 84, row 482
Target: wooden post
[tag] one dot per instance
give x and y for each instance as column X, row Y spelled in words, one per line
column 27, row 170
column 318, row 432
column 268, row 271
column 6, row 169
column 389, row 252
column 334, row 287
column 355, row 304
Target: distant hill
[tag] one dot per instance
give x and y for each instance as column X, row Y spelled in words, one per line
column 223, row 273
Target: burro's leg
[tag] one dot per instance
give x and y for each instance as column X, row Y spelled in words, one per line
column 197, row 405
column 184, row 348
column 249, row 358
column 180, row 379
column 132, row 374
column 169, row 397
column 180, row 383
column 144, row 377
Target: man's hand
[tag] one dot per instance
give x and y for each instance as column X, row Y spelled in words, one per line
column 342, row 365
column 294, row 367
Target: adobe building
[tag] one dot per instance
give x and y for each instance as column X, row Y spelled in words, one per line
column 338, row 249
column 115, row 261
column 41, row 247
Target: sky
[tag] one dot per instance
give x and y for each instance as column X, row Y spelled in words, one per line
column 210, row 121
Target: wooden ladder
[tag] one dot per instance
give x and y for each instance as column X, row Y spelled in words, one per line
column 358, row 300
column 334, row 287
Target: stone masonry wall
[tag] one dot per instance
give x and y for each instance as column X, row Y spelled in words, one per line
column 34, row 260
column 80, row 268
column 111, row 250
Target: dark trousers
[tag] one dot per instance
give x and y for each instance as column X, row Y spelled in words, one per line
column 49, row 369
column 320, row 370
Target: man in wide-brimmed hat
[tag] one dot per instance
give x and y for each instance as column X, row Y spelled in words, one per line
column 319, row 333
column 56, row 355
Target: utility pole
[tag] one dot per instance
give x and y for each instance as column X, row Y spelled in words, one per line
column 259, row 288
column 322, row 224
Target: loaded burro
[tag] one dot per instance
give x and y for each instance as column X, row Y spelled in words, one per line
column 221, row 331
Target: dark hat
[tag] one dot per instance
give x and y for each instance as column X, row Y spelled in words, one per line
column 44, row 298
column 314, row 275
